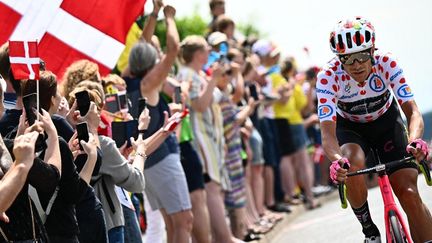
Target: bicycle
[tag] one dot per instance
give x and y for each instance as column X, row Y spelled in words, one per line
column 396, row 229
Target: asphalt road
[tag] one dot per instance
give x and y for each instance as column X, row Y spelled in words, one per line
column 331, row 223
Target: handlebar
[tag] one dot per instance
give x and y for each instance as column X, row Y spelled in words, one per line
column 424, row 168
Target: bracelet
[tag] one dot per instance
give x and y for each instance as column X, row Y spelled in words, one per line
column 153, row 14
column 143, row 155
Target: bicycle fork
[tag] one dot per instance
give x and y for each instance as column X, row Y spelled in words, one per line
column 390, row 205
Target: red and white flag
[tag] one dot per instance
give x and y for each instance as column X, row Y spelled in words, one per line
column 69, row 30
column 24, row 59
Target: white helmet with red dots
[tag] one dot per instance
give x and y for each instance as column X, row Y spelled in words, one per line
column 352, row 35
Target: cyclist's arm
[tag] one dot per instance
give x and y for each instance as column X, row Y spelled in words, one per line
column 404, row 96
column 327, row 98
column 329, row 140
column 415, row 120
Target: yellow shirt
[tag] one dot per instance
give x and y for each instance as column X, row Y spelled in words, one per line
column 291, row 110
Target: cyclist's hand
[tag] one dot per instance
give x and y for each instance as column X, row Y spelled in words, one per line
column 337, row 172
column 419, row 149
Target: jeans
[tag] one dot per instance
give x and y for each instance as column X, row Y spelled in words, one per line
column 116, row 235
column 132, row 231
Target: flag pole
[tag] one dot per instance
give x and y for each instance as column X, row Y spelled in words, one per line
column 37, row 90
column 37, row 99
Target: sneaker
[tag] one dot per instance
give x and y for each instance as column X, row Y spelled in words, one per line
column 373, row 239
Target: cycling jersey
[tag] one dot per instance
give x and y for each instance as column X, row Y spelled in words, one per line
column 339, row 93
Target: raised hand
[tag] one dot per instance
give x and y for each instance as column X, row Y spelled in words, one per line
column 24, row 148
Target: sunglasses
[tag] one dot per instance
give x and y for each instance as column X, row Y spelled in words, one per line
column 361, row 57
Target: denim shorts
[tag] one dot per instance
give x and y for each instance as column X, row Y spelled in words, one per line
column 270, row 137
column 256, row 143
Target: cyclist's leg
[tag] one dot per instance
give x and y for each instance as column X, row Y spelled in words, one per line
column 356, row 186
column 404, row 184
column 354, row 147
column 391, row 146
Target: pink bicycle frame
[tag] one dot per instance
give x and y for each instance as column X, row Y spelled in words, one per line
column 389, row 204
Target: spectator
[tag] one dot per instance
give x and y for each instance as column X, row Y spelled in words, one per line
column 217, row 7
column 12, row 184
column 44, row 176
column 9, row 95
column 77, row 72
column 226, row 25
column 295, row 161
column 166, row 183
column 235, row 198
column 114, row 170
column 267, row 52
column 50, row 101
column 194, row 54
column 13, row 99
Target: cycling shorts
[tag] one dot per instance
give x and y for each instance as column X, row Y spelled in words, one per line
column 387, row 135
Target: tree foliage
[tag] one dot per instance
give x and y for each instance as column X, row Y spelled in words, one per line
column 187, row 25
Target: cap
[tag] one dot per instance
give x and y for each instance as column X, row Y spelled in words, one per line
column 216, row 38
column 264, row 48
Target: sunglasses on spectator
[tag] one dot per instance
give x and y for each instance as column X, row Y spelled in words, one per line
column 361, row 57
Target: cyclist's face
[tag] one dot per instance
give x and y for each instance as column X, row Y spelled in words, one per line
column 359, row 71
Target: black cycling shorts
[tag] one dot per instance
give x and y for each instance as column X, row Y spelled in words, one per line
column 387, row 135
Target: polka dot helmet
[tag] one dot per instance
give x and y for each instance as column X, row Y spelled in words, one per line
column 352, row 35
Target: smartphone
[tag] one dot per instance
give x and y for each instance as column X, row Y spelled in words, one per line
column 83, row 134
column 177, row 95
column 142, row 104
column 122, row 131
column 123, row 101
column 253, row 91
column 30, row 106
column 112, row 103
column 83, row 102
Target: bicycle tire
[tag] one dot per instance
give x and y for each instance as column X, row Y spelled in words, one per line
column 395, row 228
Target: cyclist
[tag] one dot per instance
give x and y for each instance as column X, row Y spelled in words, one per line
column 358, row 112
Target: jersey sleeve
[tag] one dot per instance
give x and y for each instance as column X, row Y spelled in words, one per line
column 326, row 89
column 394, row 74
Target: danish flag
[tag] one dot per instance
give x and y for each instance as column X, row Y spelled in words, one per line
column 69, row 30
column 24, row 59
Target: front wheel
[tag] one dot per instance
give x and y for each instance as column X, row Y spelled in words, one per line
column 396, row 228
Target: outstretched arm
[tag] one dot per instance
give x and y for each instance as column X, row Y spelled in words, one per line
column 151, row 21
column 159, row 73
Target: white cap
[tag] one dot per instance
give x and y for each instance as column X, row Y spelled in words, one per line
column 264, row 48
column 216, row 38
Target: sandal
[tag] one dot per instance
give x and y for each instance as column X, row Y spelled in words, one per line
column 272, row 217
column 292, row 201
column 251, row 236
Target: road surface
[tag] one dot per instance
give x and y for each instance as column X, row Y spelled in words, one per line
column 331, row 223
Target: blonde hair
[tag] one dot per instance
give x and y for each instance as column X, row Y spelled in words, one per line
column 113, row 79
column 77, row 72
column 190, row 45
